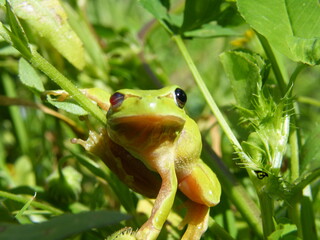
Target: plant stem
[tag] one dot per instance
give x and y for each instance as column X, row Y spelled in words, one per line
column 251, row 213
column 310, row 101
column 203, row 88
column 294, row 212
column 217, row 230
column 295, row 73
column 18, row 120
column 274, row 63
column 266, row 206
column 42, row 64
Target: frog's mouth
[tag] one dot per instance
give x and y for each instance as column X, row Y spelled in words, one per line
column 145, row 129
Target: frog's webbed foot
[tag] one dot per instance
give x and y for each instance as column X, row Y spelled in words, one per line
column 197, row 219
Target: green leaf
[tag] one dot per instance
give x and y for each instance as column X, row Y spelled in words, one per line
column 15, row 25
column 284, row 232
column 245, row 71
column 310, row 152
column 17, row 35
column 159, row 10
column 48, row 18
column 197, row 13
column 29, row 76
column 24, row 172
column 89, row 40
column 61, row 227
column 290, row 26
column 9, row 51
column 210, row 30
column 67, row 106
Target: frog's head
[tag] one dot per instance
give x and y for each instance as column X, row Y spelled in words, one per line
column 146, row 116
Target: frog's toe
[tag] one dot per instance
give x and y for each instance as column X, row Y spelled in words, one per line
column 148, row 232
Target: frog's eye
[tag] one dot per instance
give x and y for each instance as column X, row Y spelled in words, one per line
column 180, row 97
column 116, row 99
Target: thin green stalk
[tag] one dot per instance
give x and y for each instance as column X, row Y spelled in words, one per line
column 274, row 63
column 308, row 223
column 203, row 88
column 235, row 192
column 42, row 64
column 217, row 230
column 295, row 73
column 294, row 161
column 294, row 212
column 16, row 116
column 25, row 200
column 22, row 210
column 310, row 101
column 266, row 206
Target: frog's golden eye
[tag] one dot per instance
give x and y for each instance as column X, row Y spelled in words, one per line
column 116, row 99
column 180, row 97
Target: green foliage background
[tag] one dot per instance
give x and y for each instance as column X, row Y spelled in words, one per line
column 249, row 66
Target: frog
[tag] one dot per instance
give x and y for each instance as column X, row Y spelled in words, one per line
column 154, row 147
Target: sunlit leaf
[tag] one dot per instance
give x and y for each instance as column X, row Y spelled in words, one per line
column 210, row 30
column 49, row 20
column 245, row 71
column 17, row 35
column 70, row 107
column 197, row 13
column 29, row 76
column 284, row 232
column 291, row 26
column 159, row 11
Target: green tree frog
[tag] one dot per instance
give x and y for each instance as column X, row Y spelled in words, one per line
column 154, row 147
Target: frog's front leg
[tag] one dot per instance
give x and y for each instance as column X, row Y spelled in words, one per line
column 97, row 95
column 163, row 203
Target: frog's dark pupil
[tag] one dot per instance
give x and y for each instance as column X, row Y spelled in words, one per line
column 116, row 99
column 181, row 97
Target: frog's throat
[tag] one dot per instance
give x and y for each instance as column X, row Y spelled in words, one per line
column 142, row 134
